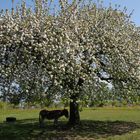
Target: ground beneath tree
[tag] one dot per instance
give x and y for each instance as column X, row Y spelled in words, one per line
column 88, row 129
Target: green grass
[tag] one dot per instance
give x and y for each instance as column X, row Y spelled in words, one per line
column 96, row 123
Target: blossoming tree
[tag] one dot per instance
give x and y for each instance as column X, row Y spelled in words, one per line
column 68, row 51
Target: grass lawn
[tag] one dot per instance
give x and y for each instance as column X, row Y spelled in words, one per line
column 96, row 123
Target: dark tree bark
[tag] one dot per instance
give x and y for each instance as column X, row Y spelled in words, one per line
column 74, row 111
column 74, row 106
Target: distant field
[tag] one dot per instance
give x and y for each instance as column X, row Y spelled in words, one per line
column 96, row 123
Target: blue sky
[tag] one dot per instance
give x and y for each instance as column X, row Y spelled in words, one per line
column 130, row 4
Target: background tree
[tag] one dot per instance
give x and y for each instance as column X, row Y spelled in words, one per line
column 67, row 52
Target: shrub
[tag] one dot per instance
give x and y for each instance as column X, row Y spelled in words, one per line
column 6, row 105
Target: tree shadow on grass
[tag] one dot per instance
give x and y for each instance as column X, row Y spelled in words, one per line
column 29, row 129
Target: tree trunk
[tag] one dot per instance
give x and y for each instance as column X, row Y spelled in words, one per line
column 74, row 112
column 74, row 106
